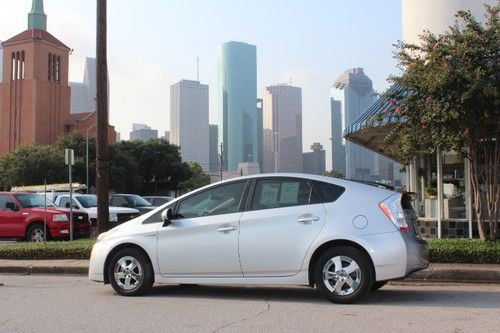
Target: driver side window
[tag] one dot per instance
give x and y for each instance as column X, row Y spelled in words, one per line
column 223, row 199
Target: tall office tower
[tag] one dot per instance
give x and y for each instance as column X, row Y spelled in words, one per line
column 282, row 121
column 315, row 161
column 213, row 149
column 143, row 132
column 166, row 136
column 351, row 94
column 189, row 121
column 260, row 133
column 34, row 90
column 238, row 121
column 338, row 148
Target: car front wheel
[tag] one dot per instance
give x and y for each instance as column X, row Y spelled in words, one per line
column 130, row 273
column 36, row 233
column 343, row 274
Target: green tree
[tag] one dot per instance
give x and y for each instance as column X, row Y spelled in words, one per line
column 77, row 142
column 334, row 174
column 32, row 165
column 450, row 102
column 198, row 178
column 159, row 165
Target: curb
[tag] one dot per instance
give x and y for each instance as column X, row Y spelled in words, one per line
column 435, row 273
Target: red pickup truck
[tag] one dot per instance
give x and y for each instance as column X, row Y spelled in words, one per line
column 23, row 215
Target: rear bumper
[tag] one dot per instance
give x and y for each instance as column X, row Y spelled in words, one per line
column 417, row 254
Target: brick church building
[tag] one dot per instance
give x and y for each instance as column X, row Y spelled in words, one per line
column 35, row 97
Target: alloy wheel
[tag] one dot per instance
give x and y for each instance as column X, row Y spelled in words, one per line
column 128, row 273
column 341, row 275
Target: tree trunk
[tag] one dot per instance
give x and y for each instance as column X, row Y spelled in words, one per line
column 476, row 192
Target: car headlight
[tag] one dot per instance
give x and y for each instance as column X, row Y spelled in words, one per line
column 113, row 217
column 60, row 218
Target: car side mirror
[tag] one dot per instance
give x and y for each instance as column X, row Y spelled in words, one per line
column 167, row 216
column 12, row 206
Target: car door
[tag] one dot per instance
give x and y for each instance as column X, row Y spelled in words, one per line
column 275, row 234
column 10, row 220
column 202, row 240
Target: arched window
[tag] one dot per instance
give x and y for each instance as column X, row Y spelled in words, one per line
column 49, row 76
column 54, row 69
column 58, row 69
column 13, row 66
column 18, row 65
column 23, row 63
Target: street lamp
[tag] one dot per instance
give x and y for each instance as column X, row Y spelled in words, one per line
column 87, row 155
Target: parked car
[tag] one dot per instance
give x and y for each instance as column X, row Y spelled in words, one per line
column 344, row 237
column 88, row 203
column 23, row 215
column 131, row 201
column 158, row 201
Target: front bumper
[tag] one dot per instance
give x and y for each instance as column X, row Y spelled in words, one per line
column 62, row 232
column 100, row 251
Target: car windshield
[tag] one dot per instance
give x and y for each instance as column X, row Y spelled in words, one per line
column 33, row 200
column 87, row 201
column 138, row 201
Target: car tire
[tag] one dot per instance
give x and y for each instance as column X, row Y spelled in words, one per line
column 343, row 274
column 36, row 233
column 378, row 284
column 130, row 273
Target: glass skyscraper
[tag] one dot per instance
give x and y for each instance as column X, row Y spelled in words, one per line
column 237, row 95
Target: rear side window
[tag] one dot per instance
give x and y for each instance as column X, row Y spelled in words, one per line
column 4, row 200
column 328, row 192
column 276, row 193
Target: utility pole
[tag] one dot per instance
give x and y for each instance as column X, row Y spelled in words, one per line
column 102, row 176
column 221, row 159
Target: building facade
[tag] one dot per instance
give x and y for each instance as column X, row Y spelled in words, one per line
column 282, row 123
column 351, row 94
column 238, row 123
column 34, row 91
column 189, row 121
column 315, row 161
column 1, row 62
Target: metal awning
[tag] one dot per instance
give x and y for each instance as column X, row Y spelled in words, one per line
column 368, row 131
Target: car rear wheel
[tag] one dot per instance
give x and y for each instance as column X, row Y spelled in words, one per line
column 130, row 273
column 36, row 233
column 343, row 274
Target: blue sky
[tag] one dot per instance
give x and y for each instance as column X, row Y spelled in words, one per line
column 153, row 44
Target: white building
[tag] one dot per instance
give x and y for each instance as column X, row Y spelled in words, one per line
column 143, row 132
column 83, row 94
column 282, row 122
column 189, row 121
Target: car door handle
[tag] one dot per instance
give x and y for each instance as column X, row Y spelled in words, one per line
column 225, row 228
column 307, row 219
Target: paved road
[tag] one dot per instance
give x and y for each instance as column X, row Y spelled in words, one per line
column 70, row 303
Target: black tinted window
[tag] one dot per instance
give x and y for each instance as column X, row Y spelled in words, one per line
column 328, row 192
column 224, row 199
column 276, row 193
column 4, row 200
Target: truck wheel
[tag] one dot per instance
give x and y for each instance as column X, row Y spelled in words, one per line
column 36, row 233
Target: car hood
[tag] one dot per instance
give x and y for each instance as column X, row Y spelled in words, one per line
column 123, row 210
column 50, row 210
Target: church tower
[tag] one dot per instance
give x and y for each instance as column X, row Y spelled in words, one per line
column 34, row 93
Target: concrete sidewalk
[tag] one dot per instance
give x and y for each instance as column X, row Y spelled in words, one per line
column 435, row 272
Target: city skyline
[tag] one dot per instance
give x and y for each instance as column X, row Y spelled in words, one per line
column 323, row 51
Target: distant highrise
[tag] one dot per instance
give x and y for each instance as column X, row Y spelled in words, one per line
column 315, row 161
column 143, row 132
column 166, row 136
column 260, row 133
column 351, row 94
column 83, row 94
column 282, row 121
column 189, row 121
column 237, row 95
column 213, row 149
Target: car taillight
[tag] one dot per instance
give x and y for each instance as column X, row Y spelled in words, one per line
column 394, row 211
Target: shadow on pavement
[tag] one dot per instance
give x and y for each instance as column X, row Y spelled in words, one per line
column 458, row 297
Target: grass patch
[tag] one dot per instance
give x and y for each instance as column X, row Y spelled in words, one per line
column 463, row 250
column 77, row 249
